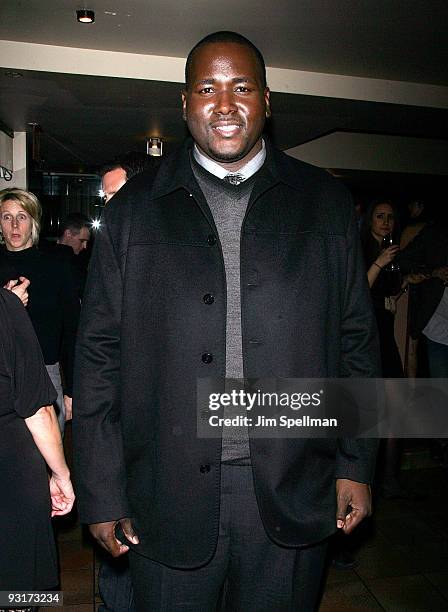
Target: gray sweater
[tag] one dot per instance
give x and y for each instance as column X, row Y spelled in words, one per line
column 228, row 204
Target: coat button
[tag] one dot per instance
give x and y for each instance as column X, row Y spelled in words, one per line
column 208, row 298
column 204, row 469
column 207, row 357
column 211, row 239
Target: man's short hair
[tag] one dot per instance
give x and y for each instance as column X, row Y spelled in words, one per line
column 132, row 163
column 74, row 222
column 225, row 36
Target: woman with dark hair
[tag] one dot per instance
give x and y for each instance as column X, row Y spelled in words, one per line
column 30, row 444
column 53, row 304
column 379, row 239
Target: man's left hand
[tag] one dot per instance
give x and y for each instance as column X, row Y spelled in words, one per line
column 354, row 503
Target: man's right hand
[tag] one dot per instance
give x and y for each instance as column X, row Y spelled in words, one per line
column 104, row 534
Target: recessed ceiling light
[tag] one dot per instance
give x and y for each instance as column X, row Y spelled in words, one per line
column 85, row 16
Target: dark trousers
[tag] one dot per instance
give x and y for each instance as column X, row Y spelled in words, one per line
column 248, row 573
column 115, row 585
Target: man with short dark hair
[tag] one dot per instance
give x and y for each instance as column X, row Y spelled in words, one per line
column 74, row 232
column 73, row 239
column 234, row 261
column 122, row 168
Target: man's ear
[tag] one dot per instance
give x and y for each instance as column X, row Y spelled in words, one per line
column 184, row 104
column 267, row 101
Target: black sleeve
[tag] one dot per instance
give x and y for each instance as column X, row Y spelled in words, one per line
column 31, row 384
column 360, row 356
column 100, row 476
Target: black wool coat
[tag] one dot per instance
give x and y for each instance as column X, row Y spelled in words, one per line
column 306, row 312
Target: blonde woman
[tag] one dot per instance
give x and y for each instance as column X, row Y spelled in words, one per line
column 53, row 305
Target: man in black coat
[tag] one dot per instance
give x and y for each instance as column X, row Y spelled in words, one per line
column 72, row 244
column 234, row 260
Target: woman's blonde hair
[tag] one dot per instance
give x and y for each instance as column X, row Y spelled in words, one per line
column 29, row 203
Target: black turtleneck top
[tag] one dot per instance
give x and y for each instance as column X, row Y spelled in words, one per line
column 53, row 304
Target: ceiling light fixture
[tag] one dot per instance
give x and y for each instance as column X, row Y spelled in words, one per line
column 154, row 146
column 85, row 16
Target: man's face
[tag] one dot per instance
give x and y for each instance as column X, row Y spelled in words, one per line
column 113, row 181
column 225, row 105
column 78, row 241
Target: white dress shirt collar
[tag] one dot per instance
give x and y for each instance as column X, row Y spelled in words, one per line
column 246, row 171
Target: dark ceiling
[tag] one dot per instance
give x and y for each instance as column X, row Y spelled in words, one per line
column 87, row 120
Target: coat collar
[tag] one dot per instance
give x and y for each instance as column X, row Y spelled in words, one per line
column 176, row 172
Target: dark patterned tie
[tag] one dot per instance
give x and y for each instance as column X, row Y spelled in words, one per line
column 234, row 178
